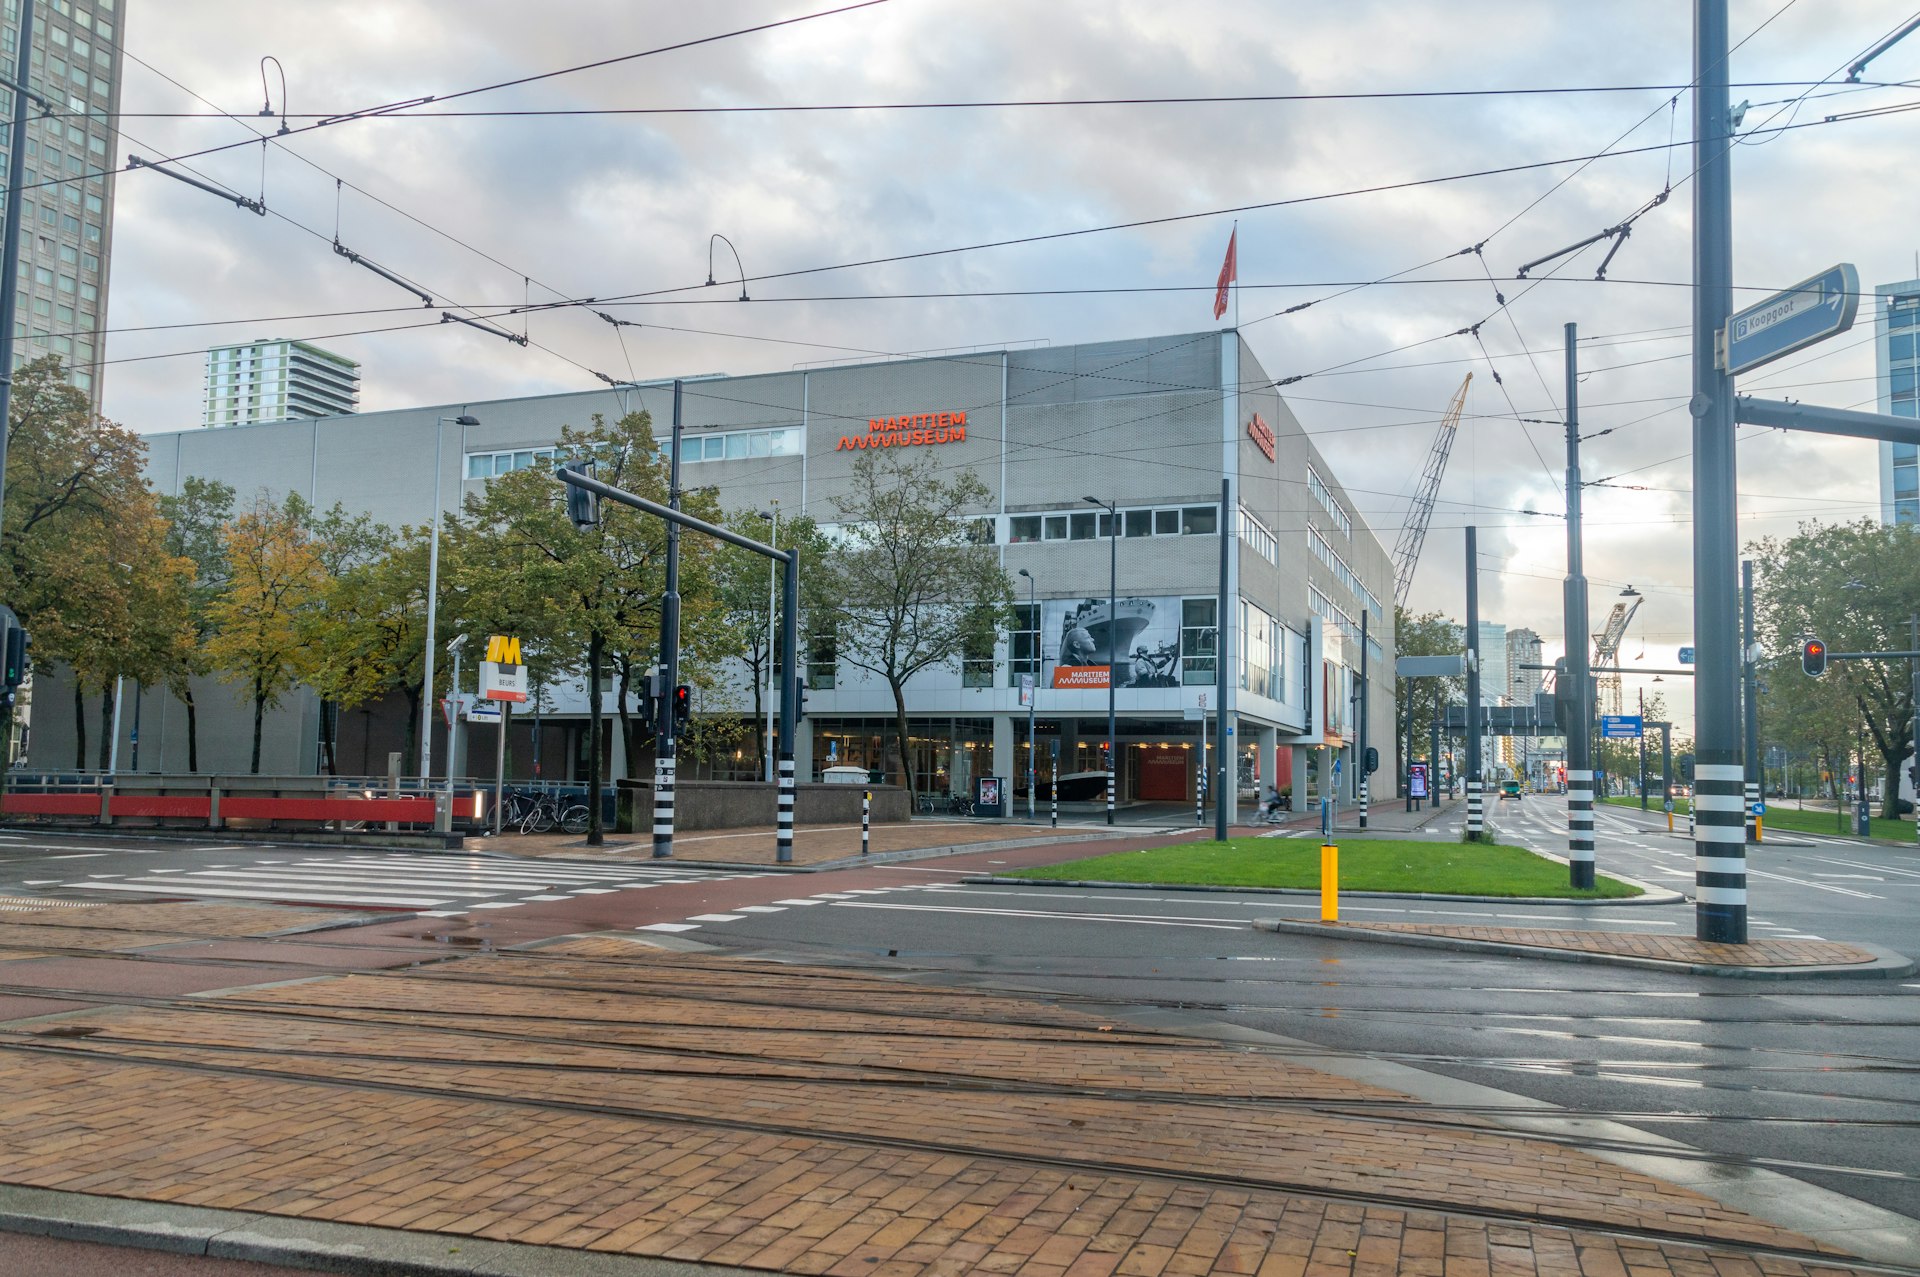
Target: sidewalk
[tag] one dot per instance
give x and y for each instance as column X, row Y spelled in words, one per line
column 597, row 1093
column 1389, row 816
column 812, row 844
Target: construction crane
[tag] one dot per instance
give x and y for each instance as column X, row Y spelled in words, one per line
column 1413, row 535
column 1606, row 653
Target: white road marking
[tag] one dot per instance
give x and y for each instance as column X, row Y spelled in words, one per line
column 715, row 917
column 531, row 899
column 597, row 891
column 800, row 902
column 668, row 926
column 1138, row 920
column 759, row 909
column 182, row 887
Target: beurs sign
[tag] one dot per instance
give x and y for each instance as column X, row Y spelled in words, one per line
column 908, row 431
column 1262, row 435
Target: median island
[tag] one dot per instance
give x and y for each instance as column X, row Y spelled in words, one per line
column 1366, row 864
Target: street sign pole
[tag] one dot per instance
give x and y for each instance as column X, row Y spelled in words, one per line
column 1750, row 694
column 1476, row 808
column 1720, row 875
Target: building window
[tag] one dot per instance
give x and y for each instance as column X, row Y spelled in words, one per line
column 1259, row 668
column 1023, row 645
column 741, row 445
column 1022, row 528
column 1199, row 641
column 1256, row 535
column 485, row 465
column 1329, row 503
column 823, row 660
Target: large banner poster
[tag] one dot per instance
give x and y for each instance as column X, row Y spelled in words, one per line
column 1141, row 640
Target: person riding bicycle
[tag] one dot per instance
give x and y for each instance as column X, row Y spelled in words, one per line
column 1276, row 804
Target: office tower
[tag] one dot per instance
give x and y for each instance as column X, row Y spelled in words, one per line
column 1896, row 332
column 278, row 381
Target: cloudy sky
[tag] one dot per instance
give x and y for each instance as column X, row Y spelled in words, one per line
column 484, row 210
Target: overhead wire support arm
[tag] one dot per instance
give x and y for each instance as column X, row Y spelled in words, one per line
column 47, row 105
column 1906, row 29
column 448, row 317
column 426, row 298
column 256, row 207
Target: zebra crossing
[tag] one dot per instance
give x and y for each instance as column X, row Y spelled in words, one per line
column 437, row 886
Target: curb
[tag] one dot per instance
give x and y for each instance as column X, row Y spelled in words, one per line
column 316, row 1244
column 853, row 861
column 1887, row 965
column 1654, row 896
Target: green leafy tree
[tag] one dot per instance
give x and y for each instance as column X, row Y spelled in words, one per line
column 1855, row 586
column 741, row 590
column 195, row 519
column 586, row 602
column 1423, row 701
column 910, row 587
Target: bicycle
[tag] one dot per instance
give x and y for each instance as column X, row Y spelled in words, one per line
column 959, row 805
column 539, row 813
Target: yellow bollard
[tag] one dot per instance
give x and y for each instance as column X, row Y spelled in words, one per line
column 1329, row 883
column 1669, row 820
column 1756, row 828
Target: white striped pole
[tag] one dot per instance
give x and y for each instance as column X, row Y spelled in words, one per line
column 783, row 829
column 1580, row 828
column 1476, row 823
column 1719, row 853
column 1753, row 800
column 1363, row 794
column 1110, row 762
column 866, row 821
column 663, row 807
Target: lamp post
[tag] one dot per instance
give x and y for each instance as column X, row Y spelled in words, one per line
column 773, row 539
column 433, row 588
column 1113, row 628
column 1033, row 695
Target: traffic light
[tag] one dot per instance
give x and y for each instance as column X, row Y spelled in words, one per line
column 801, row 711
column 1563, row 706
column 17, row 644
column 1813, row 657
column 583, row 507
column 682, row 703
column 1372, row 760
column 1685, row 764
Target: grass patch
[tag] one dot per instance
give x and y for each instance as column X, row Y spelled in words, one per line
column 1812, row 820
column 1366, row 864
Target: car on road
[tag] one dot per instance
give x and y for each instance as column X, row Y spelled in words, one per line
column 1509, row 789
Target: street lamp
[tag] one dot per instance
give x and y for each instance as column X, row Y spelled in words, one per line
column 773, row 539
column 433, row 588
column 1033, row 696
column 1113, row 629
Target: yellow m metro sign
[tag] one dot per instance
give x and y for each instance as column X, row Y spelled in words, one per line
column 503, row 676
column 504, row 650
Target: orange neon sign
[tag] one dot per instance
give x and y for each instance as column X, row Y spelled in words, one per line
column 909, row 430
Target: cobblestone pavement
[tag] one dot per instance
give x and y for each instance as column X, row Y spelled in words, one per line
column 812, row 844
column 599, row 1093
column 1635, row 944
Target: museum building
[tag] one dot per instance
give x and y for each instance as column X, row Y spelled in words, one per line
column 1148, row 426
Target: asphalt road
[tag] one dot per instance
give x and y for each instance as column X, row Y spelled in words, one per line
column 1814, row 1079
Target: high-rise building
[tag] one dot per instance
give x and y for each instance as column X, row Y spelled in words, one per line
column 278, row 380
column 1523, row 648
column 66, row 228
column 1896, row 333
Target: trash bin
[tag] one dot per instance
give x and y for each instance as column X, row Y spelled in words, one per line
column 990, row 795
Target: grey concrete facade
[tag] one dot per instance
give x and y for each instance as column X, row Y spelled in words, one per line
column 1151, row 424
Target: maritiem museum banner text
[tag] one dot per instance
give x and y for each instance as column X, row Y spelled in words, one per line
column 910, row 431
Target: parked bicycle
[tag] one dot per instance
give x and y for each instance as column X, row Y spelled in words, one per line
column 539, row 812
column 959, row 805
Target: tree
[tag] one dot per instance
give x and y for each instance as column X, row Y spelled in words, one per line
column 195, row 520
column 910, row 587
column 277, row 574
column 580, row 599
column 1424, row 701
column 367, row 639
column 1854, row 585
column 741, row 581
column 83, row 559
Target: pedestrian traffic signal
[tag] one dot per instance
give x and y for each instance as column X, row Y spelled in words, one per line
column 1813, row 657
column 682, row 703
column 17, row 643
column 583, row 507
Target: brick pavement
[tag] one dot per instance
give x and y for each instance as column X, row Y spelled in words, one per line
column 1636, row 944
column 602, row 1094
column 812, row 844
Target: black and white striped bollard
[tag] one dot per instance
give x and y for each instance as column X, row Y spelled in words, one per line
column 1365, row 788
column 866, row 821
column 1110, row 761
column 1752, row 821
column 1580, row 828
column 1476, row 813
column 1719, row 853
column 783, row 829
column 663, row 808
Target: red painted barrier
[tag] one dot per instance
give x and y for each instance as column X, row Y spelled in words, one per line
column 410, row 810
column 185, row 807
column 85, row 803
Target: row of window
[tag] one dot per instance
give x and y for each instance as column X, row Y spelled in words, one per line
column 1257, row 535
column 737, row 445
column 1903, row 313
column 1329, row 503
column 484, row 465
column 1096, row 525
column 62, row 315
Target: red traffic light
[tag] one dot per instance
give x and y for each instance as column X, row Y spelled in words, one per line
column 682, row 703
column 1813, row 657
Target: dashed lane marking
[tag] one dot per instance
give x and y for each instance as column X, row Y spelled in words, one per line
column 715, row 917
column 668, row 926
column 760, row 908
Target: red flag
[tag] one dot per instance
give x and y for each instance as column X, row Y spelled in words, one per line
column 1229, row 274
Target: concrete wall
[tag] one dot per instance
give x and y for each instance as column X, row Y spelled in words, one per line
column 725, row 804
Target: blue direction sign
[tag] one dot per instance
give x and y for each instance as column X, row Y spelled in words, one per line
column 1686, row 656
column 1812, row 310
column 1621, row 727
